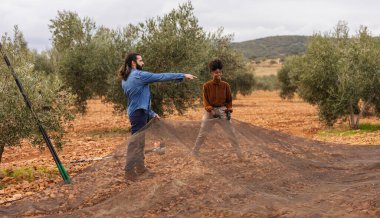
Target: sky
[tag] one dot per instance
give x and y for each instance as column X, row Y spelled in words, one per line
column 246, row 19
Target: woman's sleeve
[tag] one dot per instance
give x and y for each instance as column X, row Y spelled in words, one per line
column 206, row 101
column 229, row 99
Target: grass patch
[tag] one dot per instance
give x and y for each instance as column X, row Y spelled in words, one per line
column 28, row 173
column 369, row 127
column 363, row 128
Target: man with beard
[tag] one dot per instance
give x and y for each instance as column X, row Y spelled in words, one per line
column 135, row 85
column 217, row 101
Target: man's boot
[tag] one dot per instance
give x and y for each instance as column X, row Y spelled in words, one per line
column 130, row 175
column 239, row 155
column 144, row 172
column 195, row 152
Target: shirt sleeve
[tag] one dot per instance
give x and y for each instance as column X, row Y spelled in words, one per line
column 229, row 98
column 206, row 100
column 147, row 77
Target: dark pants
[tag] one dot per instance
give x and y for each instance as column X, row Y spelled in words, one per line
column 135, row 153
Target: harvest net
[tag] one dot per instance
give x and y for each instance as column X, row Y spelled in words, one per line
column 280, row 175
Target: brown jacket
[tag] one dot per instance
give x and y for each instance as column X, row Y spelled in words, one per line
column 217, row 94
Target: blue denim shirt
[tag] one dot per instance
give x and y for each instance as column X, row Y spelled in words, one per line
column 137, row 91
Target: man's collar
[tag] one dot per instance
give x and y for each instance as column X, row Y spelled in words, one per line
column 216, row 81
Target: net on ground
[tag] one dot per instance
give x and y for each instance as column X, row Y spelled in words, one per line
column 281, row 175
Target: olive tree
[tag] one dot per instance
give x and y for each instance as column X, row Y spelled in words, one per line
column 71, row 38
column 50, row 101
column 90, row 56
column 235, row 70
column 176, row 43
column 339, row 73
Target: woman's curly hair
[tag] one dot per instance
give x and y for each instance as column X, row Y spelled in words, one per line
column 215, row 64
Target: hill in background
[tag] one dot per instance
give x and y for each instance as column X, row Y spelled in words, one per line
column 272, row 47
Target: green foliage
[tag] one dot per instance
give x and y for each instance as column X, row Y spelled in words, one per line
column 43, row 63
column 369, row 127
column 50, row 101
column 29, row 173
column 69, row 30
column 123, row 41
column 234, row 70
column 173, row 43
column 242, row 83
column 79, row 57
column 287, row 79
column 272, row 47
column 177, row 43
column 267, row 83
column 16, row 47
column 86, row 56
column 74, row 75
column 363, row 128
column 338, row 73
column 89, row 57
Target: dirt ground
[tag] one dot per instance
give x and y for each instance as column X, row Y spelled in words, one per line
column 266, row 109
column 100, row 131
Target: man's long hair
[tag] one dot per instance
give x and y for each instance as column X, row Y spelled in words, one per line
column 126, row 68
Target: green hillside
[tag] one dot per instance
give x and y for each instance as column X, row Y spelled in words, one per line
column 273, row 46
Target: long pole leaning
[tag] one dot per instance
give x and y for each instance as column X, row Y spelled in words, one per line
column 62, row 171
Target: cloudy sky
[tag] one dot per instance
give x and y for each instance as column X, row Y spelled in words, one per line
column 247, row 19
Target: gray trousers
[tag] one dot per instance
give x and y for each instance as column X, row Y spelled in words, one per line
column 217, row 115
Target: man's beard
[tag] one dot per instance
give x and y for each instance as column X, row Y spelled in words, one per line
column 139, row 67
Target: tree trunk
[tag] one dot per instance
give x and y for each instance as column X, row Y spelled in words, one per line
column 355, row 118
column 362, row 110
column 1, row 151
column 354, row 121
column 357, row 121
column 352, row 118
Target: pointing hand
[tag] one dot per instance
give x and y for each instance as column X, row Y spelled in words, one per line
column 190, row 77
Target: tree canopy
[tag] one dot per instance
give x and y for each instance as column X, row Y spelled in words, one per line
column 339, row 73
column 50, row 100
column 89, row 57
